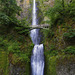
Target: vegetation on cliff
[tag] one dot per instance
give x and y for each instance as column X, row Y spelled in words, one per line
column 59, row 40
column 15, row 43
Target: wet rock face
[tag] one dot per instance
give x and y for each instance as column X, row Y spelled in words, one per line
column 68, row 69
column 15, row 70
column 24, row 4
column 49, row 2
column 19, row 69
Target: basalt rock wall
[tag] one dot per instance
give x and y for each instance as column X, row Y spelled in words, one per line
column 25, row 6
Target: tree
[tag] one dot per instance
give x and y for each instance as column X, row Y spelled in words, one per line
column 8, row 12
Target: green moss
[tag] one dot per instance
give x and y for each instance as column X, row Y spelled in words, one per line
column 4, row 63
column 17, row 50
column 52, row 65
column 52, row 62
column 70, row 50
column 65, row 59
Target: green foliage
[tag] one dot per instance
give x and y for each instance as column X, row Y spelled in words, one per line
column 8, row 12
column 70, row 34
column 3, row 56
column 60, row 11
column 52, row 51
column 19, row 54
column 58, row 14
column 24, row 57
column 4, row 70
column 8, row 20
column 70, row 50
column 3, row 44
column 23, row 27
column 47, row 33
column 52, row 66
column 14, row 47
column 19, row 58
column 53, row 12
column 20, row 50
column 22, row 30
column 71, row 9
column 4, row 19
column 9, row 7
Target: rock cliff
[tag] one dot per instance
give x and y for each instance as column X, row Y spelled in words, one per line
column 25, row 5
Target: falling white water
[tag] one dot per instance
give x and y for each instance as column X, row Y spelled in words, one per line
column 34, row 22
column 37, row 58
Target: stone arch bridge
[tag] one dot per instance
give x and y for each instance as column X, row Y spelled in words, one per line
column 42, row 26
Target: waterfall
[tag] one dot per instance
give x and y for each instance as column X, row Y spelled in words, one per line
column 37, row 58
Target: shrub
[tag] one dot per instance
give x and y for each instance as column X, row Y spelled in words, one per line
column 14, row 47
column 60, row 11
column 3, row 44
column 70, row 50
column 69, row 35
